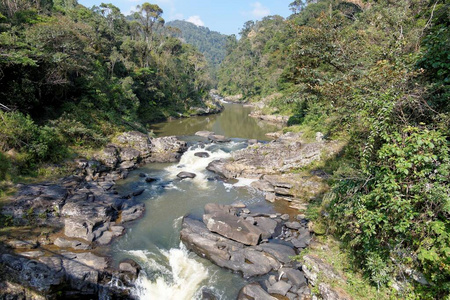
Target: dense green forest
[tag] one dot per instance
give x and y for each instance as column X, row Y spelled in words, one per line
column 210, row 43
column 377, row 74
column 73, row 76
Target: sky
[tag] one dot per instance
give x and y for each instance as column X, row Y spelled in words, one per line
column 224, row 16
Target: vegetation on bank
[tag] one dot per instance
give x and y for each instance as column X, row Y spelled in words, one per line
column 71, row 76
column 375, row 73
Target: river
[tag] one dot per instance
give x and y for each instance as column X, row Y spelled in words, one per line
column 169, row 270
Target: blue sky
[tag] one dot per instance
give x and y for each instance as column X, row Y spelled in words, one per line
column 225, row 16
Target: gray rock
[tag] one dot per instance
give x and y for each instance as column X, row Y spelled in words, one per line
column 109, row 156
column 280, row 288
column 65, row 243
column 83, row 270
column 130, row 154
column 32, row 254
column 126, row 165
column 254, row 291
column 267, row 226
column 272, row 279
column 225, row 252
column 233, row 227
column 293, row 225
column 117, row 230
column 329, row 293
column 238, row 204
column 130, row 266
column 252, row 141
column 202, row 154
column 281, row 252
column 204, row 133
column 166, row 149
column 132, row 212
column 218, row 138
column 263, row 185
column 313, row 266
column 184, row 175
column 301, row 244
column 16, row 244
column 270, row 197
column 81, row 228
column 150, row 179
column 283, row 191
column 138, row 192
column 32, row 273
column 285, row 217
column 105, row 238
column 296, row 277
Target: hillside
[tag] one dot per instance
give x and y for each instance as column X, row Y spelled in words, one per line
column 210, row 43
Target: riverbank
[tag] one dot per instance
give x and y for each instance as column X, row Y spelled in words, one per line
column 54, row 247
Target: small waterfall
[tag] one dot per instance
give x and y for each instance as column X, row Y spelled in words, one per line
column 197, row 165
column 183, row 282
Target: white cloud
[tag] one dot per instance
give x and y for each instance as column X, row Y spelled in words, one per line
column 259, row 10
column 196, row 20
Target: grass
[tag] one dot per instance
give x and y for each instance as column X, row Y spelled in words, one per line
column 356, row 285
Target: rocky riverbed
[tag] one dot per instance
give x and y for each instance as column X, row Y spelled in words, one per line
column 79, row 214
column 67, row 258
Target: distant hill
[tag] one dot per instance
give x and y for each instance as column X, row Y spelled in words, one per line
column 210, row 43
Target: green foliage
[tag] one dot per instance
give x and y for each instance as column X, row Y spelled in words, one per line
column 211, row 43
column 253, row 68
column 36, row 143
column 401, row 210
column 73, row 76
column 4, row 166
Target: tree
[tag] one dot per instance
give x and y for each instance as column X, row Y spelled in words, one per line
column 149, row 16
column 297, row 6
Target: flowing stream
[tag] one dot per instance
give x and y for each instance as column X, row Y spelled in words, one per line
column 169, row 270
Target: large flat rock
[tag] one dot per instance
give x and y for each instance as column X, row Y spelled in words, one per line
column 233, row 227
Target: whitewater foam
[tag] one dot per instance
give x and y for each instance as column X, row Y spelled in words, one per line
column 184, row 281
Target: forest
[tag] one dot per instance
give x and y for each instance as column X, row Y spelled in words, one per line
column 373, row 73
column 74, row 76
column 376, row 74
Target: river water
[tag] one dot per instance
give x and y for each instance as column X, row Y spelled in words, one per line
column 169, row 270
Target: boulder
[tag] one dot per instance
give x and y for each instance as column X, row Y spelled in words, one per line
column 105, row 238
column 267, row 226
column 218, row 138
column 80, row 227
column 138, row 192
column 130, row 154
column 150, row 179
column 202, row 154
column 82, row 270
column 296, row 277
column 166, row 149
column 184, row 175
column 329, row 293
column 225, row 252
column 75, row 244
column 204, row 133
column 131, row 212
column 34, row 273
column 293, row 225
column 130, row 266
column 313, row 266
column 280, row 288
column 254, row 291
column 233, row 227
column 281, row 252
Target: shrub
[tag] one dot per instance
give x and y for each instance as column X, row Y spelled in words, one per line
column 400, row 213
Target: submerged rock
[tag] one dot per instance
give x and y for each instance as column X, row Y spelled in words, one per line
column 184, row 175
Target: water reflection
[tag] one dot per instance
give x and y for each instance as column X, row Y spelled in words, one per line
column 232, row 122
